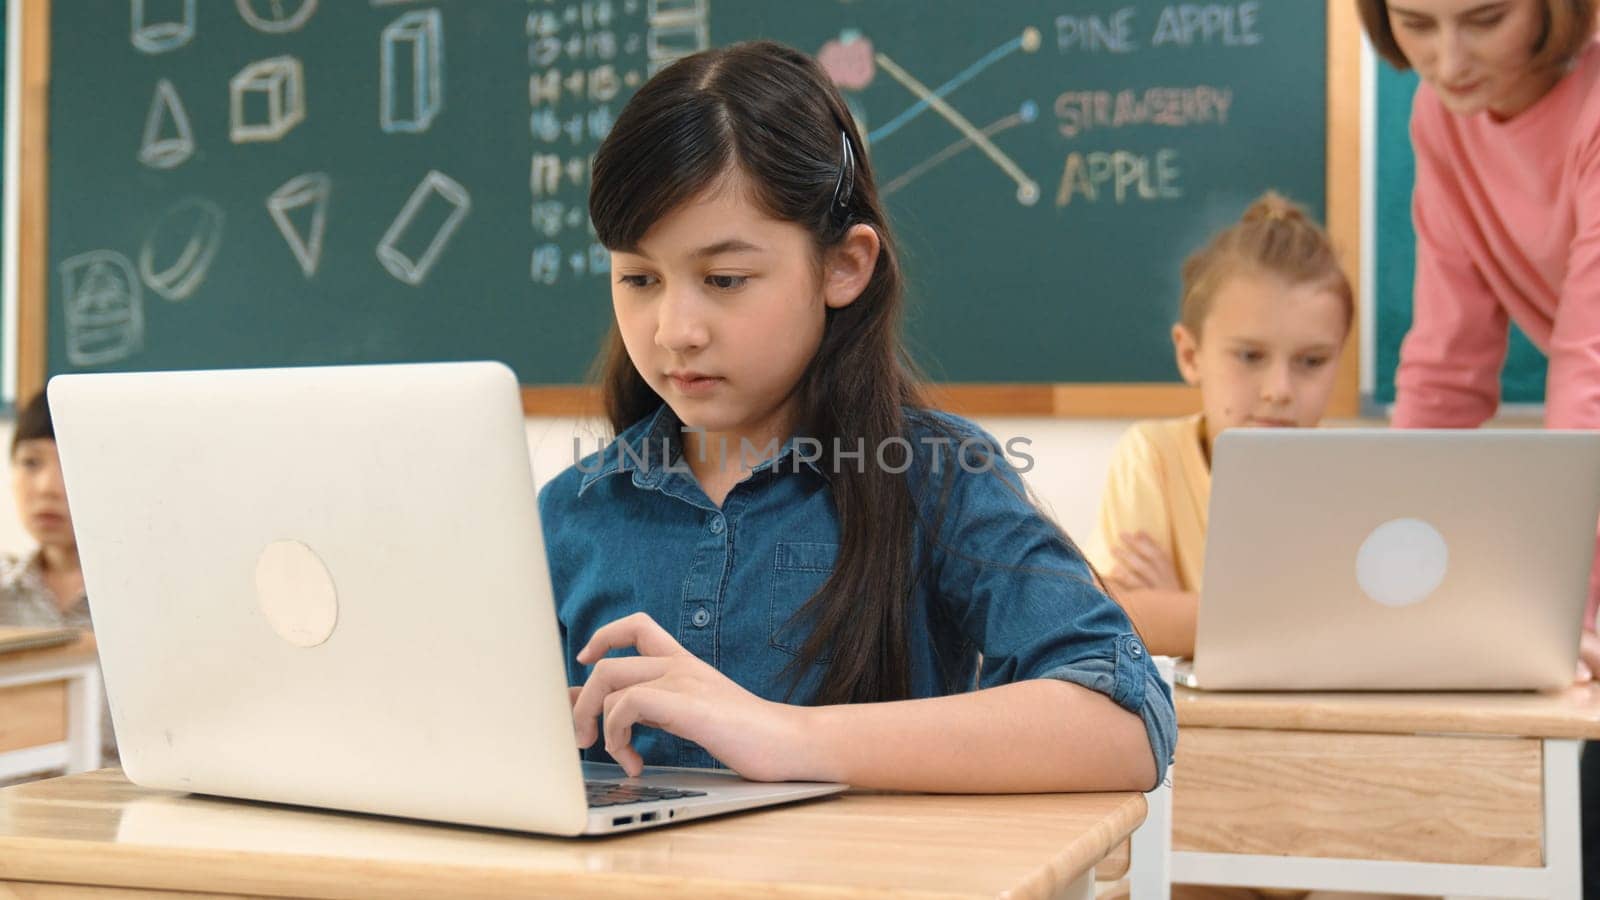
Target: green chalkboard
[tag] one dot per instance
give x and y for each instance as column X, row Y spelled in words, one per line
column 294, row 182
column 1395, row 257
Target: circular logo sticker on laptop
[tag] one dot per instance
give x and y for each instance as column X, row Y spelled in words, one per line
column 1401, row 562
column 295, row 592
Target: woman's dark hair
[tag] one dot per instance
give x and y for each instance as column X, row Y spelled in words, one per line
column 33, row 422
column 770, row 114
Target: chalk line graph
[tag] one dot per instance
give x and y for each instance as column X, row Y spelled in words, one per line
column 851, row 60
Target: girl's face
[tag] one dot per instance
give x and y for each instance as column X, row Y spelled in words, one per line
column 722, row 308
column 40, row 495
column 1476, row 54
column 1269, row 353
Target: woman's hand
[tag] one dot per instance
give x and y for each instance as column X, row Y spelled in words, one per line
column 668, row 687
column 1142, row 566
column 1588, row 656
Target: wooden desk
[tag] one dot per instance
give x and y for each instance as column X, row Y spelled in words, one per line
column 50, row 709
column 59, row 837
column 1443, row 794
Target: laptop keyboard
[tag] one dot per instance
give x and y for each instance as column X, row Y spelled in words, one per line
column 610, row 793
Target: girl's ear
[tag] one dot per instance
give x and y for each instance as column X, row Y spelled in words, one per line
column 849, row 265
column 1186, row 347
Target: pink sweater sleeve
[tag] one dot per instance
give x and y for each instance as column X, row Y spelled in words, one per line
column 1572, row 387
column 1572, row 391
column 1449, row 372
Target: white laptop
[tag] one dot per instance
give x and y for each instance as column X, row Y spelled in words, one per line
column 328, row 587
column 1396, row 560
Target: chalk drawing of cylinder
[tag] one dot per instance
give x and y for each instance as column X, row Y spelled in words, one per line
column 105, row 311
column 411, row 72
column 180, row 248
column 422, row 229
column 266, row 99
column 162, row 25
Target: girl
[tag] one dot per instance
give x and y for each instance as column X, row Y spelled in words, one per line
column 802, row 562
column 1265, row 312
column 1506, row 128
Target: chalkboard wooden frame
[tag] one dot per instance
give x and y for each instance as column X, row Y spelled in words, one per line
column 1065, row 400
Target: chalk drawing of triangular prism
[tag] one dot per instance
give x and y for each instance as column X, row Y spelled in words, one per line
column 298, row 195
column 168, row 139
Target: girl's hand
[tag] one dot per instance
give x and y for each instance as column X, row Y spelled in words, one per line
column 1143, row 565
column 668, row 687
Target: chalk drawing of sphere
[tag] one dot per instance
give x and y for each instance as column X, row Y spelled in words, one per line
column 178, row 251
column 276, row 16
column 848, row 62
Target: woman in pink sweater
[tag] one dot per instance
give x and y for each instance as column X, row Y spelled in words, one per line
column 1506, row 128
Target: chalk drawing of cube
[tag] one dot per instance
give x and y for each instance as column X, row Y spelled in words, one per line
column 266, row 100
column 411, row 72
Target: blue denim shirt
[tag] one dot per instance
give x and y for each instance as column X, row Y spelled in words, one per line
column 628, row 529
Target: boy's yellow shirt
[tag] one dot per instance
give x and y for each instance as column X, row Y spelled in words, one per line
column 1158, row 483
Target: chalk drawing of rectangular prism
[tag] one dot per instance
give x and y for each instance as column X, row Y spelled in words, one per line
column 668, row 42
column 420, row 232
column 411, row 72
column 266, row 100
column 663, row 12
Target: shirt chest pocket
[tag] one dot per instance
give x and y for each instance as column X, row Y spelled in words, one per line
column 798, row 571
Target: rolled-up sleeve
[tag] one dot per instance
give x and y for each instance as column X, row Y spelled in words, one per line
column 1023, row 594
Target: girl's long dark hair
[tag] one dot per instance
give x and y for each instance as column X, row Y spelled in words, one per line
column 770, row 113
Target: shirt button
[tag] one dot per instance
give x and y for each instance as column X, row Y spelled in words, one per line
column 716, row 524
column 701, row 617
column 1135, row 650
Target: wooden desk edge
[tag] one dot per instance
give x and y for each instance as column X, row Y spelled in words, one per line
column 1571, row 714
column 81, row 649
column 60, row 862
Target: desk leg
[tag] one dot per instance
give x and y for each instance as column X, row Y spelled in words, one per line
column 1150, row 865
column 83, row 720
column 1563, row 843
column 1080, row 889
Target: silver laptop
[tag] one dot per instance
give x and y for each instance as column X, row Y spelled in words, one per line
column 1396, row 560
column 328, row 587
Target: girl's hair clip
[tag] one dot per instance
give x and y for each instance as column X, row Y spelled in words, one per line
column 847, row 174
